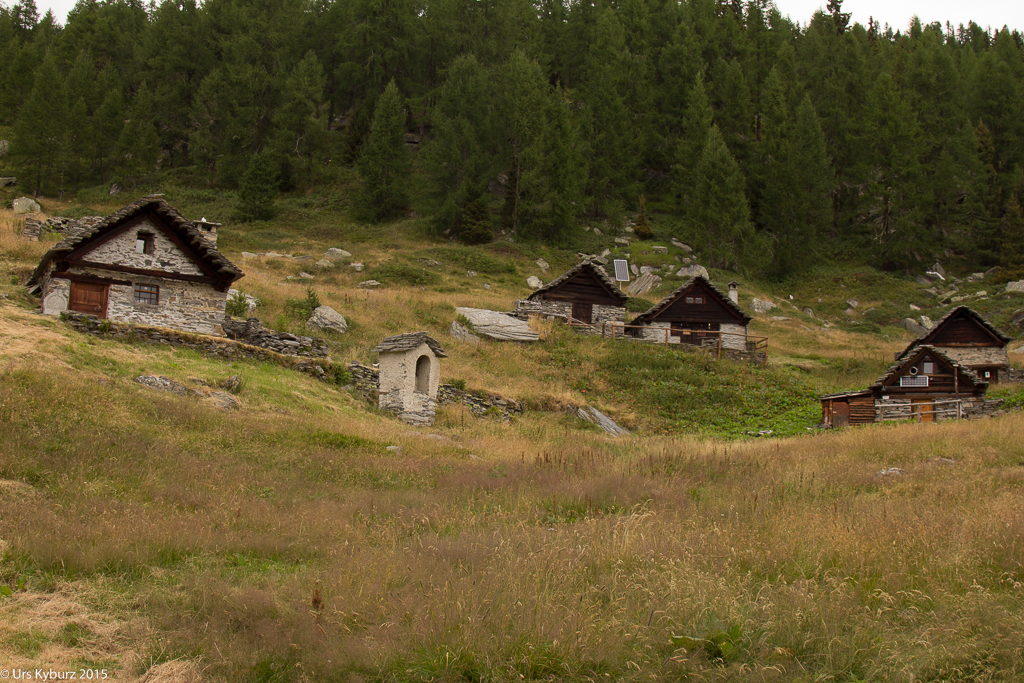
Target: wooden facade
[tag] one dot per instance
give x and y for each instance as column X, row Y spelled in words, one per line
column 583, row 294
column 696, row 307
column 926, row 384
column 966, row 337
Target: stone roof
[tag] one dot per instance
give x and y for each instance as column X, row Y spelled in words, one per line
column 926, row 337
column 408, row 342
column 909, row 359
column 182, row 227
column 647, row 315
column 593, row 267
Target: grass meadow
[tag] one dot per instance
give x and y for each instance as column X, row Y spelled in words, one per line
column 307, row 536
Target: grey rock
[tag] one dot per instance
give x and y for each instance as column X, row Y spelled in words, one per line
column 597, row 232
column 595, row 416
column 937, row 268
column 486, row 286
column 224, row 400
column 852, row 303
column 1017, row 318
column 679, row 245
column 162, row 384
column 633, row 269
column 115, row 190
column 975, row 277
column 250, row 255
column 660, row 250
column 850, row 312
column 993, row 270
column 622, row 241
column 914, row 307
column 8, row 181
column 26, row 205
column 305, row 276
column 460, row 332
column 326, row 318
column 534, row 282
column 643, row 284
column 232, row 384
column 926, row 322
column 368, row 284
column 4, row 146
column 358, row 267
column 274, row 254
column 779, row 318
column 936, row 275
column 336, row 254
column 932, row 291
column 470, row 273
column 304, row 257
column 606, row 253
column 808, row 311
column 394, row 449
column 910, row 325
column 1016, row 286
column 922, row 280
column 891, row 472
column 324, row 263
column 759, row 306
column 542, row 264
column 693, row 271
column 646, row 269
column 498, row 325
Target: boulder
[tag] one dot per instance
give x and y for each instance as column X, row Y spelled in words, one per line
column 305, row 276
column 324, row 263
column 250, row 255
column 335, row 254
column 910, row 325
column 368, row 284
column 1018, row 319
column 808, row 311
column 460, row 332
column 358, row 267
column 679, row 245
column 633, row 269
column 779, row 318
column 693, row 271
column 595, row 416
column 758, row 306
column 326, row 318
column 9, row 181
column 542, row 264
column 643, row 284
column 224, row 400
column 534, row 282
column 606, row 253
column 1016, row 286
column 926, row 322
column 914, row 307
column 621, row 241
column 852, row 303
column 975, row 277
column 922, row 280
column 597, row 232
column 498, row 325
column 26, row 205
column 646, row 269
column 937, row 268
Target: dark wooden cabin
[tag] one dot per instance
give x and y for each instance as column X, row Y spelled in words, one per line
column 966, row 337
column 697, row 308
column 925, row 384
column 585, row 292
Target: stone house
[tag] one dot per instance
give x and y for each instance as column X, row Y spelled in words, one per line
column 925, row 384
column 585, row 293
column 698, row 314
column 966, row 337
column 410, row 373
column 144, row 264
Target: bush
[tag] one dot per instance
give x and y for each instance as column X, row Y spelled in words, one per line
column 638, row 305
column 301, row 309
column 237, row 306
column 642, row 229
column 476, row 224
column 404, row 273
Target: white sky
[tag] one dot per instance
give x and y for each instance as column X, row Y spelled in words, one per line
column 897, row 13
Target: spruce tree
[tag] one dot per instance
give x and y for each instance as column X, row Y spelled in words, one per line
column 385, row 164
column 257, row 189
column 39, row 131
column 697, row 122
column 642, row 229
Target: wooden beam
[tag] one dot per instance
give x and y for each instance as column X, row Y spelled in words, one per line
column 91, row 279
column 204, row 279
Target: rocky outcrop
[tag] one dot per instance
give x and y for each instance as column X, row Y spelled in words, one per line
column 1016, row 286
column 595, row 416
column 458, row 331
column 326, row 318
column 759, row 306
column 693, row 271
column 498, row 325
column 911, row 325
column 25, row 205
column 643, row 284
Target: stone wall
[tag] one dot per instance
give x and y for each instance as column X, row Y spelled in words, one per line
column 189, row 306
column 563, row 310
column 217, row 347
column 902, row 408
column 34, row 228
column 166, row 255
column 253, row 332
column 366, row 381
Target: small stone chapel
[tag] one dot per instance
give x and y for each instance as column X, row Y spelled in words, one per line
column 409, row 376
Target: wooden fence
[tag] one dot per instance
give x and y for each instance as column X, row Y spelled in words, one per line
column 952, row 408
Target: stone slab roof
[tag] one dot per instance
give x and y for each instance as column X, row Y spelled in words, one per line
column 908, row 359
column 668, row 300
column 182, row 227
column 408, row 342
column 925, row 338
column 594, row 268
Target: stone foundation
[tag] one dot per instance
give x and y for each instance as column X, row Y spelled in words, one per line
column 253, row 332
column 562, row 310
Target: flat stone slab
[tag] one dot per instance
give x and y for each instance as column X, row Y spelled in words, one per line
column 758, row 306
column 162, row 384
column 498, row 325
column 368, row 284
column 334, row 254
column 460, row 332
column 595, row 416
column 643, row 284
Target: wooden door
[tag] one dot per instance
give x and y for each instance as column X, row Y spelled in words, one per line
column 87, row 297
column 924, row 409
column 840, row 414
column 582, row 312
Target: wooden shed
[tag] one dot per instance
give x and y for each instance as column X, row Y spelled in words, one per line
column 695, row 312
column 966, row 337
column 584, row 294
column 926, row 385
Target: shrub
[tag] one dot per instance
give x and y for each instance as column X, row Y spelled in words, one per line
column 237, row 306
column 476, row 224
column 642, row 229
column 638, row 305
column 404, row 273
column 301, row 309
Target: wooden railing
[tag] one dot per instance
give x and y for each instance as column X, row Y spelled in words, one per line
column 952, row 408
column 706, row 339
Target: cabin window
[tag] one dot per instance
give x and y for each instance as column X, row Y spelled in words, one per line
column 147, row 294
column 694, row 299
column 929, row 367
column 689, row 299
column 914, row 381
column 986, row 374
column 143, row 243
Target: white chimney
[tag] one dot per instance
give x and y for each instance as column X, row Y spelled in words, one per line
column 208, row 229
column 734, row 292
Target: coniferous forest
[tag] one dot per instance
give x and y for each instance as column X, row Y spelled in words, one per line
column 767, row 143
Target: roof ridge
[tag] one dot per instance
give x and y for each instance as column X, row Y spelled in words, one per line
column 599, row 271
column 665, row 302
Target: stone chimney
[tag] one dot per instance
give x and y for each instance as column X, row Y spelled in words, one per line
column 208, row 229
column 734, row 292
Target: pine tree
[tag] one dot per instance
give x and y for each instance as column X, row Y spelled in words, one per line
column 301, row 123
column 523, row 107
column 642, row 229
column 385, row 165
column 39, row 131
column 258, row 189
column 697, row 122
column 138, row 145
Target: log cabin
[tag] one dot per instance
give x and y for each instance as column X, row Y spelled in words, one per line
column 144, row 264
column 697, row 313
column 583, row 294
column 966, row 337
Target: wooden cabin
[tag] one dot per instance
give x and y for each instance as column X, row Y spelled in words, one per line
column 966, row 337
column 697, row 313
column 926, row 385
column 582, row 294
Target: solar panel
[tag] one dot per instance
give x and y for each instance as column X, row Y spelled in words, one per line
column 621, row 270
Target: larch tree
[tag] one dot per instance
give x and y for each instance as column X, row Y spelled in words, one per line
column 385, row 165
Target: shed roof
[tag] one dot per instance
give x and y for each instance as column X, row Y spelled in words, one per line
column 657, row 308
column 590, row 266
column 183, row 228
column 408, row 342
column 959, row 311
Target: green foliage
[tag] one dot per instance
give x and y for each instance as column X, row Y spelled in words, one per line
column 642, row 229
column 402, row 273
column 302, row 309
column 459, row 384
column 476, row 224
column 474, row 259
column 637, row 304
column 258, row 189
column 385, row 164
column 237, row 306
